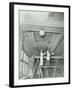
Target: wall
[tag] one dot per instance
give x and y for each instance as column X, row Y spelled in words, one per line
column 4, row 45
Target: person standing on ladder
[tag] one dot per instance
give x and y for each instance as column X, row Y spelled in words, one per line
column 41, row 58
column 47, row 58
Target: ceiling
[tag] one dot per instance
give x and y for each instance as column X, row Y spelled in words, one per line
column 52, row 23
column 33, row 43
column 42, row 18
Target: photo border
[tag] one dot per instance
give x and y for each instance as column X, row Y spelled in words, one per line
column 11, row 42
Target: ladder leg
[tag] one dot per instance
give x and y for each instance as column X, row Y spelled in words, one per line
column 54, row 72
column 40, row 72
column 34, row 71
column 61, row 68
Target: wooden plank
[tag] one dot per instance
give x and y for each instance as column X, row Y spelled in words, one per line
column 25, row 62
column 49, row 31
column 51, row 66
column 40, row 71
column 26, row 77
column 35, row 68
column 52, row 57
column 37, row 28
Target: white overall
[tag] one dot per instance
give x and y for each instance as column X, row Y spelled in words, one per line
column 41, row 58
column 48, row 56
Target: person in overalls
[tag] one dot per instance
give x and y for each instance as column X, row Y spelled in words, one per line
column 41, row 58
column 47, row 58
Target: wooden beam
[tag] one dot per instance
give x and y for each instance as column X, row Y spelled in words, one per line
column 41, row 45
column 56, row 57
column 29, row 38
column 50, row 66
column 52, row 57
column 46, row 31
column 27, row 42
column 31, row 42
column 26, row 77
column 24, row 61
column 35, row 68
column 37, row 28
column 63, row 56
column 56, row 42
column 26, row 49
column 27, row 46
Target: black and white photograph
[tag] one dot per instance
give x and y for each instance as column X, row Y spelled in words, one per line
column 41, row 44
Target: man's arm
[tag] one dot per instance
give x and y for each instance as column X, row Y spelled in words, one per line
column 44, row 53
